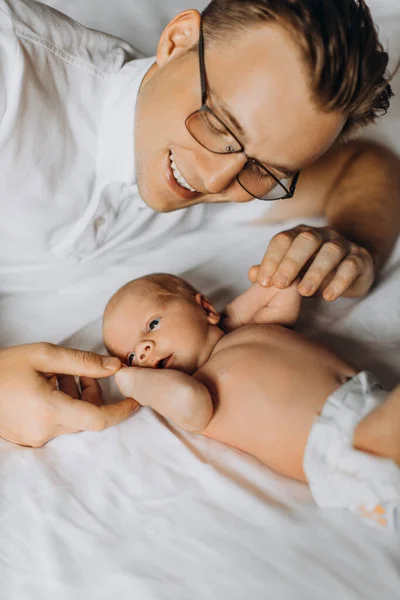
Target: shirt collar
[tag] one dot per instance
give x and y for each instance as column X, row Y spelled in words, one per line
column 116, row 158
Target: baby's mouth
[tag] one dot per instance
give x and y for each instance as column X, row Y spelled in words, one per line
column 162, row 364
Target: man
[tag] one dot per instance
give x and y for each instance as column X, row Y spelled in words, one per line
column 242, row 104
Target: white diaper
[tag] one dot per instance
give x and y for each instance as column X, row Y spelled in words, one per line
column 341, row 476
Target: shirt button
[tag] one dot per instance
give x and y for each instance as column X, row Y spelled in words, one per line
column 99, row 222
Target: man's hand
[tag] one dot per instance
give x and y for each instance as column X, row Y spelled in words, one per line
column 331, row 263
column 39, row 398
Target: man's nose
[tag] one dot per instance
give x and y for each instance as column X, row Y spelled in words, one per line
column 220, row 171
column 144, row 351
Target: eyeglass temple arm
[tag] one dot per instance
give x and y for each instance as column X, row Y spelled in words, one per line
column 202, row 68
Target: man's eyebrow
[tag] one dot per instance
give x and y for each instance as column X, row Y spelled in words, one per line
column 284, row 170
column 229, row 116
column 287, row 171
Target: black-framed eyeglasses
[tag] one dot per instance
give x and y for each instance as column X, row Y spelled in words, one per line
column 212, row 133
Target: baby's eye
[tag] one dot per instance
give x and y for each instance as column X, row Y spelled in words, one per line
column 153, row 324
column 130, row 358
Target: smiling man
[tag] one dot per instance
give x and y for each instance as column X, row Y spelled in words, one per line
column 251, row 99
column 256, row 92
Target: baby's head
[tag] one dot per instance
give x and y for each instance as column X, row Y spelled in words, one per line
column 161, row 321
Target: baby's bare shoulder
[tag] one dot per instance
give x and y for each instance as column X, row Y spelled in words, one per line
column 246, row 345
column 248, row 334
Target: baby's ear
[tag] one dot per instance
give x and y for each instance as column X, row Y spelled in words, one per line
column 212, row 315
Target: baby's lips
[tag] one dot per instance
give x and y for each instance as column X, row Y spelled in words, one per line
column 124, row 380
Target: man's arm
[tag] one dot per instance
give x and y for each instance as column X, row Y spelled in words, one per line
column 357, row 188
column 364, row 203
column 173, row 394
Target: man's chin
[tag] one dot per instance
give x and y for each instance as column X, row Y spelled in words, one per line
column 164, row 202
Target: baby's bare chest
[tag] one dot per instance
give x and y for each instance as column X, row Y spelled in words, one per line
column 269, row 365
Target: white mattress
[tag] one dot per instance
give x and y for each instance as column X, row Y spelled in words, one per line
column 145, row 511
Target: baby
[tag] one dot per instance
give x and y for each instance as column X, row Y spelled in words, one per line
column 244, row 379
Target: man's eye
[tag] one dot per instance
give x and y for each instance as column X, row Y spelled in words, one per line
column 213, row 125
column 130, row 358
column 153, row 324
column 259, row 172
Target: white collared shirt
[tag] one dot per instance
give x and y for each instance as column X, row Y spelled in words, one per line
column 68, row 190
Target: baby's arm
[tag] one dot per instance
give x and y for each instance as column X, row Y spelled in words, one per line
column 263, row 305
column 173, row 394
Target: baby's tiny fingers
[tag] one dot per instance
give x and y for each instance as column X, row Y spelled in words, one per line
column 253, row 273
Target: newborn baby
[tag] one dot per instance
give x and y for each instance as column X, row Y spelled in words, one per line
column 246, row 380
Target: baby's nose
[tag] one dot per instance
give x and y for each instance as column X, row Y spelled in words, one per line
column 144, row 350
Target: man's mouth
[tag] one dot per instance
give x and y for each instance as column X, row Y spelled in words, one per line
column 179, row 178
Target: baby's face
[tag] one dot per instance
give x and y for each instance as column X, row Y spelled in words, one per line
column 147, row 329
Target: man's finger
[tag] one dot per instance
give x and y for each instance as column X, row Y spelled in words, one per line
column 91, row 391
column 77, row 415
column 115, row 413
column 49, row 358
column 328, row 258
column 347, row 273
column 68, row 385
column 306, row 244
column 276, row 250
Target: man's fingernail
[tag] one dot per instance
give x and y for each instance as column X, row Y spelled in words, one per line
column 307, row 288
column 264, row 280
column 329, row 293
column 111, row 363
column 280, row 280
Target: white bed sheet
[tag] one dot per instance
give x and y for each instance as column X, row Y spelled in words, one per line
column 145, row 511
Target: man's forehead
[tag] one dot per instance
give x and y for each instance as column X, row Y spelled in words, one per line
column 261, row 89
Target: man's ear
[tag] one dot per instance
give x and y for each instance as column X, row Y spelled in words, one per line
column 179, row 35
column 212, row 315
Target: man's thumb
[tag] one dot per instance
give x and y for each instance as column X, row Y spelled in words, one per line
column 49, row 358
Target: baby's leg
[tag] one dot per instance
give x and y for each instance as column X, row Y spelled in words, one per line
column 379, row 432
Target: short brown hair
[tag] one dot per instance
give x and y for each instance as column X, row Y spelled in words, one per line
column 339, row 44
column 171, row 285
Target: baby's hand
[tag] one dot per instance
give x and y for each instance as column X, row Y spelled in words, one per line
column 261, row 306
column 173, row 394
column 125, row 380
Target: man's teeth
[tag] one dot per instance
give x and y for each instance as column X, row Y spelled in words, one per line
column 178, row 176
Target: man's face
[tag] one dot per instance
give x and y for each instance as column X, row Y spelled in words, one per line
column 257, row 85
